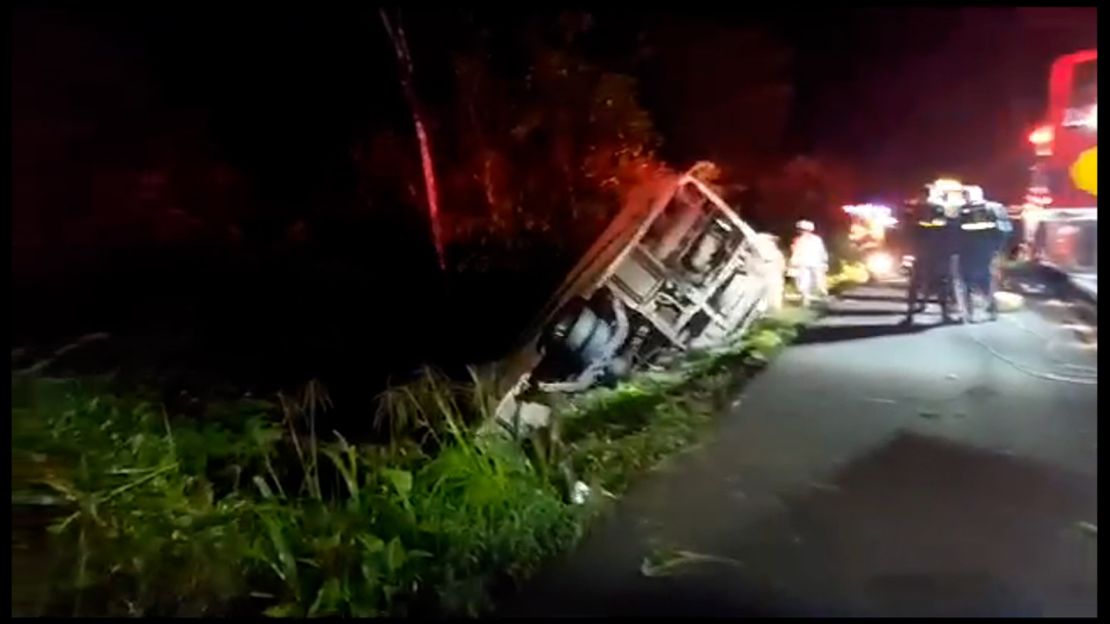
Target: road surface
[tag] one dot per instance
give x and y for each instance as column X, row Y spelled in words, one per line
column 872, row 470
column 1088, row 282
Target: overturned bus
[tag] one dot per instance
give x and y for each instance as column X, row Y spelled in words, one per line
column 677, row 269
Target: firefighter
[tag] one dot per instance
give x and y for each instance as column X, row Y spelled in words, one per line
column 985, row 229
column 809, row 262
column 930, row 274
column 950, row 245
column 1006, row 230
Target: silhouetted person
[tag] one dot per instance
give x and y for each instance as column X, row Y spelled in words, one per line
column 985, row 229
column 928, row 237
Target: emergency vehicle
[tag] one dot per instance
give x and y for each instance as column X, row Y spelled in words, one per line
column 1060, row 212
column 870, row 229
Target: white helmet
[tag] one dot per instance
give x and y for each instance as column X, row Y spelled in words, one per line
column 805, row 225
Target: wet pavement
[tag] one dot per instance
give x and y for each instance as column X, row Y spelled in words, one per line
column 873, row 469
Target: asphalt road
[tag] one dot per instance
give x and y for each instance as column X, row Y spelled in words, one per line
column 872, row 470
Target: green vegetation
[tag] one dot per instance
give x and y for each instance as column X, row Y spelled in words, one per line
column 850, row 274
column 247, row 508
column 610, row 435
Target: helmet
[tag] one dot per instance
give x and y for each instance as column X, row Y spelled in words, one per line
column 805, row 225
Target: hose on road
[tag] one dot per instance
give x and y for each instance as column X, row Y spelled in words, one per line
column 1030, row 372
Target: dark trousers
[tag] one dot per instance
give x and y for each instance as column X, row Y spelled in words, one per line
column 928, row 282
column 977, row 276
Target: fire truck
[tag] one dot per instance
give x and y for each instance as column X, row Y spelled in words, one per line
column 1060, row 212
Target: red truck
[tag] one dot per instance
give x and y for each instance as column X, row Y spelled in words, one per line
column 1060, row 213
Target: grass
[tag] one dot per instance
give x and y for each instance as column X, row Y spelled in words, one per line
column 612, row 435
column 135, row 519
column 150, row 514
column 121, row 508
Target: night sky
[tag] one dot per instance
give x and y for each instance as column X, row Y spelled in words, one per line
column 942, row 91
column 897, row 95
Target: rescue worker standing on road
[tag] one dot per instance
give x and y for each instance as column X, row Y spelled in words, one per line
column 984, row 229
column 809, row 262
column 930, row 273
column 950, row 247
column 1006, row 236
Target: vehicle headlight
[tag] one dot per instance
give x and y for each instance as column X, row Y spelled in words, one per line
column 880, row 263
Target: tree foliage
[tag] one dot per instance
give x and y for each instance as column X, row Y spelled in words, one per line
column 806, row 187
column 535, row 139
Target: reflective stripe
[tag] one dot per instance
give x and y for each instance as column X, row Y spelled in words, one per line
column 977, row 226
